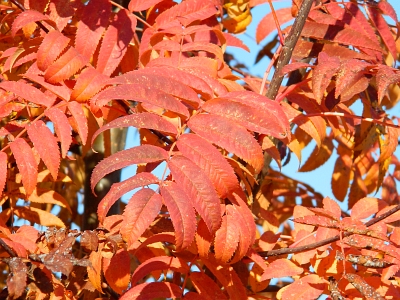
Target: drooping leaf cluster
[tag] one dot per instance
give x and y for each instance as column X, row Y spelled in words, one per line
column 209, row 217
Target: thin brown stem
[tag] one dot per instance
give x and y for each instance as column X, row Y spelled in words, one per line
column 21, row 7
column 290, row 42
column 326, row 241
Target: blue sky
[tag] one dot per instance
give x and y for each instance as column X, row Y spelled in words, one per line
column 320, row 179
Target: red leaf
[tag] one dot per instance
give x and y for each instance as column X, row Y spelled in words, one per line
column 233, row 41
column 331, row 206
column 119, row 189
column 139, row 5
column 318, row 221
column 206, row 287
column 281, row 268
column 26, row 163
column 229, row 279
column 138, row 155
column 181, row 212
column 115, row 42
column 59, row 89
column 89, row 83
column 29, row 16
column 153, row 290
column 159, row 263
column 267, row 24
column 365, row 207
column 226, row 239
column 53, row 44
column 339, row 34
column 294, row 66
column 384, row 78
column 199, row 188
column 93, row 22
column 141, row 120
column 185, row 13
column 27, row 92
column 195, row 82
column 66, row 66
column 322, row 74
column 308, row 287
column 46, row 145
column 229, row 135
column 383, row 29
column 61, row 127
column 61, row 12
column 159, row 81
column 350, row 72
column 140, row 93
column 80, row 119
column 139, row 213
column 118, row 278
column 253, row 119
column 3, row 171
column 211, row 161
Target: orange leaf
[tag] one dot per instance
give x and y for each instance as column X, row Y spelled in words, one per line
column 38, row 216
column 159, row 81
column 119, row 189
column 308, row 287
column 267, row 25
column 29, row 16
column 137, row 155
column 65, row 66
column 94, row 20
column 94, row 270
column 185, row 13
column 365, row 207
column 115, row 42
column 27, row 92
column 117, row 271
column 229, row 135
column 206, row 287
column 211, row 161
column 50, row 49
column 61, row 127
column 331, row 206
column 3, row 171
column 281, row 268
column 229, row 279
column 181, row 212
column 159, row 263
column 226, row 239
column 26, row 163
column 49, row 196
column 139, row 5
column 199, row 188
column 327, row 66
column 80, row 119
column 141, row 93
column 153, row 290
column 89, row 83
column 203, row 239
column 141, row 120
column 318, row 157
column 46, row 145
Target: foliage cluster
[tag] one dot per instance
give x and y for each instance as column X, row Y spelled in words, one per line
column 209, row 218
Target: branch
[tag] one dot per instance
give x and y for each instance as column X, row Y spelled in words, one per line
column 326, row 241
column 21, row 7
column 10, row 251
column 290, row 42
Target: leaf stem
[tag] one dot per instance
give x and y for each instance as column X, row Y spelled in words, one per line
column 326, row 241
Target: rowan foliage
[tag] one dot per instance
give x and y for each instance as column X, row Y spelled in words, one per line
column 209, row 217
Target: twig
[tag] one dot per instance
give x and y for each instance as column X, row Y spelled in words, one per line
column 326, row 241
column 21, row 7
column 290, row 42
column 10, row 251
